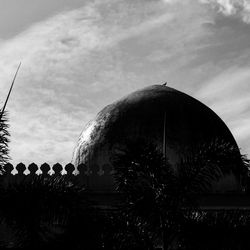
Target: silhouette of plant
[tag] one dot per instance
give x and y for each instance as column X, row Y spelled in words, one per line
column 45, row 212
column 147, row 181
column 216, row 230
column 4, row 139
column 37, row 213
column 121, row 232
column 159, row 195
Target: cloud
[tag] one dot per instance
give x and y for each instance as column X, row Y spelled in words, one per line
column 228, row 95
column 78, row 61
column 71, row 67
column 42, row 127
column 172, row 1
column 237, row 8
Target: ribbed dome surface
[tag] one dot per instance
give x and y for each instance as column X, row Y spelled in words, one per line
column 142, row 114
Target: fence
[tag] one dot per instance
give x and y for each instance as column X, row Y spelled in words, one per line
column 34, row 169
column 56, row 169
column 98, row 178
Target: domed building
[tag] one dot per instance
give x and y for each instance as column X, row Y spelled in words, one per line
column 173, row 121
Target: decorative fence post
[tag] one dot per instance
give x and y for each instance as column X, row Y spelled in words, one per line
column 57, row 169
column 33, row 168
column 20, row 173
column 45, row 169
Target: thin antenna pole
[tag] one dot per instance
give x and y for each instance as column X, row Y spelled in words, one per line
column 6, row 101
column 164, row 136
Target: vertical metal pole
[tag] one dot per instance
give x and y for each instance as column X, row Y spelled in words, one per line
column 6, row 101
column 164, row 136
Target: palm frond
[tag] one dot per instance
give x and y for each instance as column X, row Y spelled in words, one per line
column 4, row 139
column 199, row 170
column 39, row 210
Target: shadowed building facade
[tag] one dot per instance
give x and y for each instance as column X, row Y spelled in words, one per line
column 173, row 121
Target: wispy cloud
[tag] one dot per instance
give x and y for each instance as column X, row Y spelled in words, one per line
column 237, row 8
column 42, row 124
column 69, row 62
column 228, row 95
column 76, row 62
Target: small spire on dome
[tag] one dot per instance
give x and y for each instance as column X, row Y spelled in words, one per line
column 165, row 84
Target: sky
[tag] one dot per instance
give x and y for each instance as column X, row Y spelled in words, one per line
column 79, row 55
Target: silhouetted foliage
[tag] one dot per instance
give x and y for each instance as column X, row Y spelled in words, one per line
column 216, row 230
column 36, row 214
column 4, row 139
column 149, row 184
column 217, row 152
column 54, row 213
column 121, row 232
column 159, row 206
column 158, row 195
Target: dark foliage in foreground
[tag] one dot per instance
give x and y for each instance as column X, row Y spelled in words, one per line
column 37, row 213
column 4, row 139
column 158, row 195
column 216, row 230
column 159, row 207
column 53, row 213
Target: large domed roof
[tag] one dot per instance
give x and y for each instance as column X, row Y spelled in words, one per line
column 150, row 113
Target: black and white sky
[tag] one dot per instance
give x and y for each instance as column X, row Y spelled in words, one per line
column 79, row 55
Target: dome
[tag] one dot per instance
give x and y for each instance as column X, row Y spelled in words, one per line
column 162, row 115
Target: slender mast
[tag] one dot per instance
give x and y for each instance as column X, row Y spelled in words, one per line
column 6, row 101
column 164, row 136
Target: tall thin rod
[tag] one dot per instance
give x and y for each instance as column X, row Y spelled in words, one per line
column 164, row 136
column 6, row 101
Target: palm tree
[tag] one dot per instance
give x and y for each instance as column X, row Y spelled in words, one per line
column 160, row 195
column 147, row 181
column 4, row 138
column 38, row 213
column 122, row 232
column 224, row 229
column 4, row 134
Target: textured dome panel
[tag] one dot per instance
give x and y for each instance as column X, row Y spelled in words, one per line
column 142, row 114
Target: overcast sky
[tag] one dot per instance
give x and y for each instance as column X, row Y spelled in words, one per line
column 78, row 56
